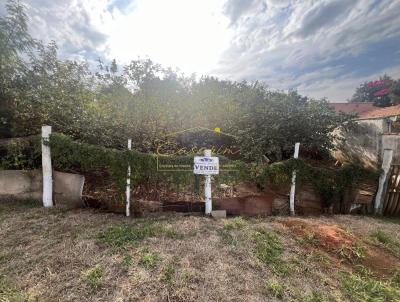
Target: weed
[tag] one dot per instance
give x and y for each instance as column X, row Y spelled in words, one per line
column 269, row 249
column 314, row 296
column 308, row 238
column 173, row 234
column 127, row 260
column 119, row 236
column 9, row 292
column 4, row 256
column 268, row 246
column 383, row 237
column 227, row 237
column 276, row 288
column 169, row 271
column 388, row 241
column 396, row 280
column 318, row 257
column 363, row 287
column 149, row 259
column 351, row 253
column 235, row 223
column 94, row 276
column 186, row 277
column 123, row 234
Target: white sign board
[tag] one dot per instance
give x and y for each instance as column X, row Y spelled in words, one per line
column 206, row 165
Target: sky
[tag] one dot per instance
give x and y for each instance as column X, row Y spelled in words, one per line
column 321, row 48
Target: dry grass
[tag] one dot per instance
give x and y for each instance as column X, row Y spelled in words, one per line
column 86, row 255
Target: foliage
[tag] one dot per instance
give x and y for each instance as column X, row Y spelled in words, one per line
column 149, row 259
column 14, row 40
column 22, row 153
column 124, row 234
column 329, row 183
column 145, row 101
column 388, row 241
column 383, row 92
column 71, row 155
column 277, row 289
column 269, row 249
column 9, row 292
column 94, row 276
column 274, row 123
column 363, row 287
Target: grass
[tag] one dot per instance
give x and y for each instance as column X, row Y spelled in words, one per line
column 94, row 276
column 269, row 249
column 11, row 206
column 124, row 234
column 352, row 253
column 363, row 287
column 315, row 296
column 127, row 261
column 235, row 223
column 388, row 241
column 149, row 259
column 121, row 235
column 308, row 238
column 276, row 289
column 87, row 255
column 169, row 271
column 9, row 292
column 230, row 231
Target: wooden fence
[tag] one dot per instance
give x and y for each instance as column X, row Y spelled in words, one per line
column 391, row 205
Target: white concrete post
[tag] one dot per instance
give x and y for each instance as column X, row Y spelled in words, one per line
column 46, row 168
column 383, row 179
column 207, row 188
column 128, row 185
column 293, row 187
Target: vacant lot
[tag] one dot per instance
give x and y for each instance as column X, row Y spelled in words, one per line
column 84, row 255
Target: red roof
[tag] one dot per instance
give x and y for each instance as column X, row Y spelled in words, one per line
column 353, row 108
column 381, row 112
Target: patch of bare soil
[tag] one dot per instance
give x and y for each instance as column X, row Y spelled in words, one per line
column 344, row 246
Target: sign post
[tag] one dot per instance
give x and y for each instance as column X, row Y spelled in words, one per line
column 206, row 165
column 128, row 185
column 293, row 186
column 46, row 168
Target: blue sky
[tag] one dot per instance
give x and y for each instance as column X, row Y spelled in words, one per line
column 323, row 48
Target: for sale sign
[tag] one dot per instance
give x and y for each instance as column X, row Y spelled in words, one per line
column 206, row 165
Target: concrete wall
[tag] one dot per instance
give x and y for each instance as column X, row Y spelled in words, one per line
column 364, row 143
column 391, row 141
column 22, row 184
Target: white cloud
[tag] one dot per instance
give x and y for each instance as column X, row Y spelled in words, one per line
column 299, row 44
column 308, row 45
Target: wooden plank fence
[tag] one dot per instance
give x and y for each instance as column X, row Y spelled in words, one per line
column 391, row 205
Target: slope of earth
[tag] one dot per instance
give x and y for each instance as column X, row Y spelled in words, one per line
column 87, row 255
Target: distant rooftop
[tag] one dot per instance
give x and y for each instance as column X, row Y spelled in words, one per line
column 381, row 112
column 353, row 108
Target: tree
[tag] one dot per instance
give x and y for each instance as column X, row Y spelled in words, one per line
column 274, row 123
column 145, row 101
column 15, row 42
column 382, row 92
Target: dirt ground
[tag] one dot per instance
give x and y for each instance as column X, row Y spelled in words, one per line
column 88, row 255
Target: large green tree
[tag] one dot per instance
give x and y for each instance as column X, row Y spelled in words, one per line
column 145, row 101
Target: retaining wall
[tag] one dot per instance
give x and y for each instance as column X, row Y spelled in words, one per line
column 28, row 184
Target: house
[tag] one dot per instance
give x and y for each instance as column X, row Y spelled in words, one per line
column 374, row 130
column 353, row 108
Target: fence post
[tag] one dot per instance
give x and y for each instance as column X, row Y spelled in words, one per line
column 293, row 187
column 47, row 171
column 207, row 188
column 128, row 185
column 383, row 179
